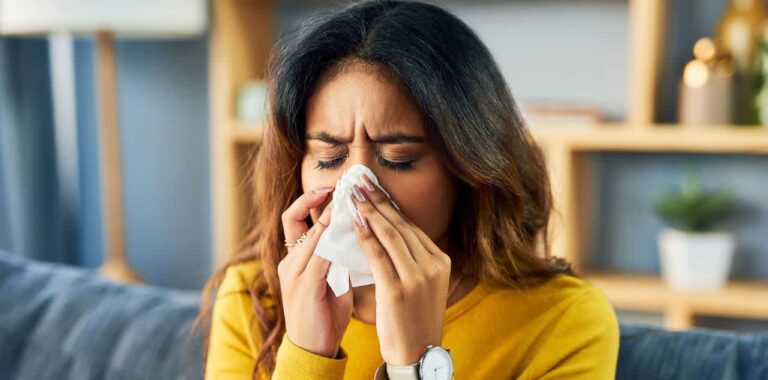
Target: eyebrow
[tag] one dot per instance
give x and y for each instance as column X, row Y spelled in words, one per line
column 394, row 138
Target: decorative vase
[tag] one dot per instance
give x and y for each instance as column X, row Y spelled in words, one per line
column 698, row 261
column 706, row 87
column 252, row 103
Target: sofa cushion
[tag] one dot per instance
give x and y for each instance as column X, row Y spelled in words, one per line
column 61, row 322
column 652, row 353
column 753, row 357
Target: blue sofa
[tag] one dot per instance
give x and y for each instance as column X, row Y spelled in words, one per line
column 60, row 322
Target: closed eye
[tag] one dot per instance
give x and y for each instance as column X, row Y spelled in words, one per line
column 329, row 164
column 391, row 165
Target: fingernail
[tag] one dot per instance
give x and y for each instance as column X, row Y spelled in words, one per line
column 367, row 183
column 358, row 194
column 359, row 219
column 323, row 190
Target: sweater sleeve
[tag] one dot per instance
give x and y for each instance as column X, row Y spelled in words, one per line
column 234, row 343
column 583, row 344
column 294, row 362
column 230, row 347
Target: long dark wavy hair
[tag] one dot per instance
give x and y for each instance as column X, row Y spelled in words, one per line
column 499, row 228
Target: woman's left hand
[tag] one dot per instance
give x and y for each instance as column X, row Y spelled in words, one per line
column 411, row 275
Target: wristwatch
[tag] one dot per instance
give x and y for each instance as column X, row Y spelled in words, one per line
column 435, row 364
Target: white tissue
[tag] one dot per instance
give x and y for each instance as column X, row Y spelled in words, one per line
column 338, row 243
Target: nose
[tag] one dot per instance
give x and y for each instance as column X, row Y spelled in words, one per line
column 365, row 156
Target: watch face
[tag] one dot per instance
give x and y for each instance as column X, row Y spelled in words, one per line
column 437, row 364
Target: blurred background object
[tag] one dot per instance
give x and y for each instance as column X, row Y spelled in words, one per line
column 706, row 81
column 61, row 18
column 760, row 104
column 737, row 34
column 252, row 103
column 694, row 257
column 558, row 115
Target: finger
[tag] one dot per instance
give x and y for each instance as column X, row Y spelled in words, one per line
column 371, row 187
column 293, row 218
column 428, row 243
column 314, row 213
column 318, row 266
column 305, row 250
column 299, row 255
column 387, row 235
column 383, row 270
column 431, row 247
column 383, row 203
column 326, row 216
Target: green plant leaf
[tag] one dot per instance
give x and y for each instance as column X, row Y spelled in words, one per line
column 690, row 208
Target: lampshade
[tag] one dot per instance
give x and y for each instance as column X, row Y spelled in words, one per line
column 129, row 18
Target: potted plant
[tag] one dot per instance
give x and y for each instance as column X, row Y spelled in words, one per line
column 693, row 255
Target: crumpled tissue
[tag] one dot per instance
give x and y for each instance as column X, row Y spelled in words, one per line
column 338, row 243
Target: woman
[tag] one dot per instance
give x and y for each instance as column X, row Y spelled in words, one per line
column 462, row 263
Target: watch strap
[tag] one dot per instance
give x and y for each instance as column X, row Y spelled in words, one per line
column 403, row 372
column 382, row 373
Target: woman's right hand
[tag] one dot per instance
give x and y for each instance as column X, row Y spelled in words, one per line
column 315, row 319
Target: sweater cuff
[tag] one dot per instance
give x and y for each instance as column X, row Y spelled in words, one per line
column 294, row 362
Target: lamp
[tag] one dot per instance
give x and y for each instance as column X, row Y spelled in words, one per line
column 106, row 19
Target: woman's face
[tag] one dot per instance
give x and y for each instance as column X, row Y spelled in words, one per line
column 360, row 117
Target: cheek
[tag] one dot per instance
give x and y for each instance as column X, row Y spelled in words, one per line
column 428, row 201
column 312, row 179
column 309, row 178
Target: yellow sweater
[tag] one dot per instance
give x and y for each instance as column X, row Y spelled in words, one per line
column 563, row 329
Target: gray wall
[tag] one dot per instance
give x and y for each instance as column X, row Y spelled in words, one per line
column 625, row 228
column 163, row 101
column 568, row 51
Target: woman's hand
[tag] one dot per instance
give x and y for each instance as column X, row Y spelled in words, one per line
column 315, row 319
column 411, row 275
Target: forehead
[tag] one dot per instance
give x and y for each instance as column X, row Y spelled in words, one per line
column 358, row 97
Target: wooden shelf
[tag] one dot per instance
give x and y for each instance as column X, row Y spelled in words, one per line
column 247, row 133
column 567, row 155
column 649, row 293
column 656, row 138
column 242, row 34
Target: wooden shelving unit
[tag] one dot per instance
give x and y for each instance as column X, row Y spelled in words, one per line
column 568, row 150
column 243, row 33
column 657, row 138
column 241, row 37
column 245, row 134
column 649, row 293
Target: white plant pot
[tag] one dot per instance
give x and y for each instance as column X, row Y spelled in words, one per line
column 695, row 261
